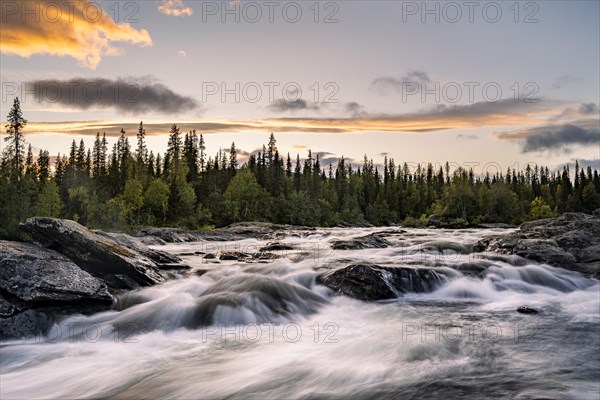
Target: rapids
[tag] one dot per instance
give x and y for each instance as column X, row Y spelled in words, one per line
column 265, row 329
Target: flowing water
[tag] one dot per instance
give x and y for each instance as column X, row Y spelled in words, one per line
column 267, row 330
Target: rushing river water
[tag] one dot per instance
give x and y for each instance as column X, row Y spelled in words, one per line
column 266, row 330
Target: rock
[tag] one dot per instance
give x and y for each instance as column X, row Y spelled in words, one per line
column 233, row 255
column 276, row 246
column 544, row 250
column 374, row 282
column 371, row 241
column 570, row 241
column 40, row 277
column 26, row 324
column 433, row 220
column 7, row 309
column 589, row 254
column 159, row 257
column 166, row 235
column 104, row 258
column 527, row 310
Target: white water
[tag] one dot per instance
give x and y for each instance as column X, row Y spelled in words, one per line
column 266, row 330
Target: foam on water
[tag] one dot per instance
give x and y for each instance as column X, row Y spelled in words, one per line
column 250, row 330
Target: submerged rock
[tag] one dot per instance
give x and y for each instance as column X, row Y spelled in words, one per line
column 570, row 241
column 527, row 310
column 119, row 267
column 375, row 282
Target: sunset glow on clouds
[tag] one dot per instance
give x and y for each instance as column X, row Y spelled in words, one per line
column 76, row 29
column 175, row 48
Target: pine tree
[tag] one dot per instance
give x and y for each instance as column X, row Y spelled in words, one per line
column 15, row 149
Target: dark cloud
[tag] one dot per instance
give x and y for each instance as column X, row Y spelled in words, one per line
column 387, row 84
column 565, row 81
column 556, row 138
column 584, row 110
column 125, row 95
column 282, row 105
column 467, row 137
column 594, row 164
column 588, row 108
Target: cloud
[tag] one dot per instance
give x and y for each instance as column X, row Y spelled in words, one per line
column 387, row 84
column 467, row 137
column 175, row 8
column 588, row 108
column 555, row 138
column 502, row 113
column 182, row 53
column 282, row 105
column 125, row 95
column 565, row 81
column 584, row 110
column 583, row 164
column 77, row 29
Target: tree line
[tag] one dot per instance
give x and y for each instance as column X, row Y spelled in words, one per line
column 127, row 187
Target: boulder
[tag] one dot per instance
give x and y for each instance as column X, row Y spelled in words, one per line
column 101, row 256
column 26, row 324
column 133, row 243
column 276, row 246
column 570, row 241
column 374, row 282
column 36, row 277
column 372, row 241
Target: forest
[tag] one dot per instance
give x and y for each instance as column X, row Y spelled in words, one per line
column 129, row 187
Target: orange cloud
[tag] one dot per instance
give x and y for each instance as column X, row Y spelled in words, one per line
column 175, row 8
column 80, row 29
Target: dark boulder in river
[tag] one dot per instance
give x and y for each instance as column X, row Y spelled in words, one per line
column 375, row 282
column 101, row 256
column 372, row 241
column 36, row 282
column 570, row 241
column 43, row 277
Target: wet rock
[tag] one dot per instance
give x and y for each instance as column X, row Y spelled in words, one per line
column 527, row 310
column 570, row 241
column 276, row 246
column 234, row 255
column 102, row 257
column 375, row 282
column 152, row 236
column 26, row 324
column 133, row 243
column 7, row 309
column 543, row 250
column 40, row 277
column 371, row 241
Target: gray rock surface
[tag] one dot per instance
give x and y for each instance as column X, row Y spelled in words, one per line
column 101, row 256
column 133, row 243
column 43, row 277
column 570, row 241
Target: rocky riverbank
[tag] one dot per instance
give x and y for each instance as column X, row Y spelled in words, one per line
column 570, row 241
column 69, row 269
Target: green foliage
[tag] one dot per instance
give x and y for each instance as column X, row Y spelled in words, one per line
column 539, row 209
column 156, row 199
column 49, row 203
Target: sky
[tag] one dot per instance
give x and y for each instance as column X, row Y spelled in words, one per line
column 486, row 84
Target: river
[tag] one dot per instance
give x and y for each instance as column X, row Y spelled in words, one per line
column 267, row 330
